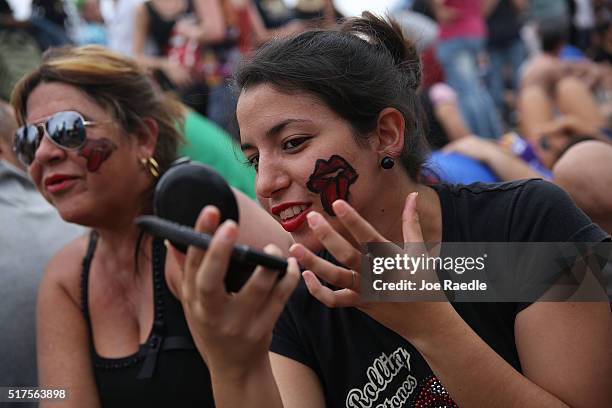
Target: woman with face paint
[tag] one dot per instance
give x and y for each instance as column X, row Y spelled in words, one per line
column 96, row 136
column 329, row 119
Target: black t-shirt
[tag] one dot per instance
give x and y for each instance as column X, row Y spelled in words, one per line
column 361, row 363
column 503, row 25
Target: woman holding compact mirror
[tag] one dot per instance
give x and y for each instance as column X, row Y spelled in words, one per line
column 96, row 136
column 330, row 121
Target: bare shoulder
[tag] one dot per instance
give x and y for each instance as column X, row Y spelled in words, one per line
column 64, row 269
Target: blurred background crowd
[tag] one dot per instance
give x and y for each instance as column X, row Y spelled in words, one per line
column 511, row 88
column 486, row 51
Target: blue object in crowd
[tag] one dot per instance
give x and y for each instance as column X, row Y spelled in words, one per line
column 569, row 53
column 458, row 168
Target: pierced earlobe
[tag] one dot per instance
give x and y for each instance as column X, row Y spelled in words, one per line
column 151, row 166
column 387, row 162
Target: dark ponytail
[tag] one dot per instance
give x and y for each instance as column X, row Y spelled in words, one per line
column 358, row 69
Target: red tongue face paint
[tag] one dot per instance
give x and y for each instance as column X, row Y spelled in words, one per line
column 96, row 151
column 331, row 179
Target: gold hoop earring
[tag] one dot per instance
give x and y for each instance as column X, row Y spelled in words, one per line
column 151, row 166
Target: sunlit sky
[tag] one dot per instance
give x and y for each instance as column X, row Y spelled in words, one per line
column 346, row 7
column 355, row 7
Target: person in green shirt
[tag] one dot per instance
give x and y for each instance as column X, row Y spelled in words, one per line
column 209, row 144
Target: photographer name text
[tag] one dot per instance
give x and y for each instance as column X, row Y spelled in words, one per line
column 447, row 284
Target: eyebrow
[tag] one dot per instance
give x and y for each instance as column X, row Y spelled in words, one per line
column 275, row 130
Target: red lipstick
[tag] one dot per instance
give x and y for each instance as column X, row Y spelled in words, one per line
column 293, row 223
column 57, row 183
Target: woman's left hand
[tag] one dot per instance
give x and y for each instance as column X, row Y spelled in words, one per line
column 392, row 315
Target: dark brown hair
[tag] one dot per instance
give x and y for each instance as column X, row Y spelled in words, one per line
column 358, row 69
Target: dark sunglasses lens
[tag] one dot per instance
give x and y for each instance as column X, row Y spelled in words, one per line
column 27, row 139
column 67, row 129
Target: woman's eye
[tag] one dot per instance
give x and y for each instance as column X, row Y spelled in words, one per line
column 295, row 142
column 253, row 161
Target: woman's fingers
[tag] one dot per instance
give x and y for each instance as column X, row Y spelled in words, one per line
column 411, row 227
column 207, row 222
column 330, row 273
column 211, row 273
column 256, row 290
column 359, row 228
column 327, row 296
column 278, row 297
column 335, row 243
column 335, row 275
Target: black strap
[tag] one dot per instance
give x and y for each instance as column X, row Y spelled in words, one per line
column 156, row 340
column 91, row 249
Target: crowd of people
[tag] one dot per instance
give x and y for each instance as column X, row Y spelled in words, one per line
column 446, row 121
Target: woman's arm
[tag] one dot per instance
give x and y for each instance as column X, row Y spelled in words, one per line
column 503, row 163
column 62, row 334
column 564, row 350
column 257, row 227
column 298, row 385
column 276, row 383
column 141, row 33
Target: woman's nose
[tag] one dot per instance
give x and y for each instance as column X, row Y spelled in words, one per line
column 47, row 151
column 271, row 177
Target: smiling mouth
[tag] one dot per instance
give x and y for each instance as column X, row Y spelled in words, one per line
column 294, row 216
column 331, row 179
column 292, row 212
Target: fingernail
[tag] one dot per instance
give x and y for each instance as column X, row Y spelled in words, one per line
column 206, row 220
column 228, row 232
column 340, row 208
column 307, row 277
column 167, row 244
column 297, row 251
column 314, row 219
column 270, row 249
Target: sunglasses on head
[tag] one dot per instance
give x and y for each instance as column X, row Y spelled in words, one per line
column 64, row 129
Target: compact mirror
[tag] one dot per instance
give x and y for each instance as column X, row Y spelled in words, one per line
column 187, row 187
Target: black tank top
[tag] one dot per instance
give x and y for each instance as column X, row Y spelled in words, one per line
column 167, row 370
column 160, row 29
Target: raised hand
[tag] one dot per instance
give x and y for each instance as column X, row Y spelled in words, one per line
column 232, row 331
column 347, row 279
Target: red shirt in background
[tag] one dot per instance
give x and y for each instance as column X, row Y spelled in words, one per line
column 468, row 22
